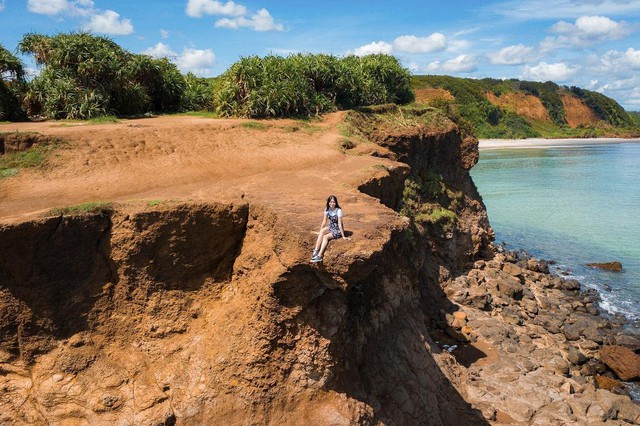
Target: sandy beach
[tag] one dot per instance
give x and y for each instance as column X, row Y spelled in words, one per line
column 549, row 143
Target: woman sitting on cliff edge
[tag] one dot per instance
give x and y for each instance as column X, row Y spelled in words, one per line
column 333, row 214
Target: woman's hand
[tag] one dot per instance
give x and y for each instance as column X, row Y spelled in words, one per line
column 346, row 238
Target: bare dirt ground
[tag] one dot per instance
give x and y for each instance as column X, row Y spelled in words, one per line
column 288, row 166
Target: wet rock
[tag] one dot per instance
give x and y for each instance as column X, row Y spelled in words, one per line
column 538, row 266
column 607, row 266
column 628, row 341
column 570, row 285
column 609, row 384
column 623, row 361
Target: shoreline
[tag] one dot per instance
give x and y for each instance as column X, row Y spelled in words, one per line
column 550, row 143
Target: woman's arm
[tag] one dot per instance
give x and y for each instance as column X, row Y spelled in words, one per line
column 344, row 237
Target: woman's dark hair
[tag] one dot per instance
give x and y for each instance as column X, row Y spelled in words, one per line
column 334, row 198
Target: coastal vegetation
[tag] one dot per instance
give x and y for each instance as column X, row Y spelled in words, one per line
column 83, row 76
column 498, row 108
column 309, row 85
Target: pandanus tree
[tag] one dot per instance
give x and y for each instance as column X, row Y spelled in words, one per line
column 85, row 76
column 11, row 83
column 306, row 84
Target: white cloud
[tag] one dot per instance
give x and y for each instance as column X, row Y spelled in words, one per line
column 371, row 48
column 585, row 32
column 59, row 7
column 616, row 63
column 548, row 72
column 199, row 8
column 106, row 22
column 109, row 22
column 459, row 64
column 261, row 21
column 2, row 6
column 513, row 55
column 48, row 7
column 632, row 57
column 436, row 42
column 197, row 61
column 164, row 33
column 542, row 9
column 593, row 28
column 161, row 50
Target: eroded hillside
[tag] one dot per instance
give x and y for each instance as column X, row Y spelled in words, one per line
column 187, row 297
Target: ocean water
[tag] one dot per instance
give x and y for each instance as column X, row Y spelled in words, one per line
column 574, row 205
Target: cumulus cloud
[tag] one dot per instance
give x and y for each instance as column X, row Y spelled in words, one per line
column 436, row 42
column 513, row 55
column 371, row 48
column 615, row 62
column 199, row 8
column 197, row 61
column 548, row 72
column 161, row 50
column 109, row 22
column 102, row 21
column 459, row 64
column 261, row 21
column 586, row 31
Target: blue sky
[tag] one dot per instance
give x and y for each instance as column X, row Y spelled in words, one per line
column 593, row 44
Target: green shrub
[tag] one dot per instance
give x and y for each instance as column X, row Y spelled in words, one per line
column 85, row 76
column 307, row 85
column 11, row 85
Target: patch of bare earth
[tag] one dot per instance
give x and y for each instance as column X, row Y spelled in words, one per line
column 524, row 105
column 427, row 96
column 577, row 113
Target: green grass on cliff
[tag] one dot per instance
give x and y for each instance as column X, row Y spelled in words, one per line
column 34, row 157
column 84, row 208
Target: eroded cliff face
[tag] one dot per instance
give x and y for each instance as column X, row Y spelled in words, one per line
column 210, row 314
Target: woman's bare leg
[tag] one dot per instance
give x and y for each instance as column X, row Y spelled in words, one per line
column 321, row 235
column 325, row 241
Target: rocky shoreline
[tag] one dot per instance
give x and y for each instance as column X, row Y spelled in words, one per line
column 537, row 348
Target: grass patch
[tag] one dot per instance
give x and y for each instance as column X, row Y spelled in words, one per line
column 91, row 207
column 153, row 203
column 105, row 119
column 345, row 130
column 303, row 127
column 347, row 144
column 203, row 114
column 33, row 157
column 255, row 125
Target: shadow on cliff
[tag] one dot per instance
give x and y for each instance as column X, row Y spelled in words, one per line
column 381, row 347
column 51, row 273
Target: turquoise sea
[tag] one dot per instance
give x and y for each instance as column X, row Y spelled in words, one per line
column 572, row 204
